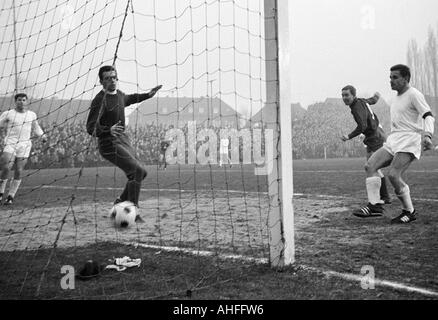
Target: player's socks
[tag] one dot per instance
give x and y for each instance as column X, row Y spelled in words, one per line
column 405, row 198
column 15, row 184
column 384, row 194
column 373, row 190
column 3, row 185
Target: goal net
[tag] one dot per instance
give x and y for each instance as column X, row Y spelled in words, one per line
column 214, row 197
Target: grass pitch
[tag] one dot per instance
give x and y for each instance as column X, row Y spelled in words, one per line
column 222, row 210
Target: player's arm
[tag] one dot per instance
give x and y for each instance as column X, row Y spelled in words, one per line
column 360, row 116
column 3, row 119
column 429, row 127
column 139, row 97
column 374, row 99
column 38, row 131
column 93, row 126
column 420, row 103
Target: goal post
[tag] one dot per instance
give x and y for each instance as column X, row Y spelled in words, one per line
column 278, row 97
column 224, row 67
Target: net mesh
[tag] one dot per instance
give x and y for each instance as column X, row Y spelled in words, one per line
column 204, row 201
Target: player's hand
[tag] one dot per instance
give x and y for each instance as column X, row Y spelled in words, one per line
column 155, row 90
column 44, row 138
column 377, row 95
column 427, row 144
column 116, row 130
column 344, row 138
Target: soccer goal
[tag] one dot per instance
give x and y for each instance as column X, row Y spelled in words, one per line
column 219, row 193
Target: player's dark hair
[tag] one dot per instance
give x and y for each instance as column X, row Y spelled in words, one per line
column 20, row 95
column 105, row 69
column 405, row 72
column 351, row 89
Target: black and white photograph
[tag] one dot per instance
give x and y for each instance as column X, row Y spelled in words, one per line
column 219, row 156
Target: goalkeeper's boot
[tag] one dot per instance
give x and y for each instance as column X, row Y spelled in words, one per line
column 138, row 218
column 9, row 200
column 369, row 211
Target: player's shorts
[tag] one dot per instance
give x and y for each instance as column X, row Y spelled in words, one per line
column 407, row 141
column 374, row 147
column 375, row 141
column 19, row 149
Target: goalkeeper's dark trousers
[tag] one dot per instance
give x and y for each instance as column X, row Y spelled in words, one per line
column 119, row 152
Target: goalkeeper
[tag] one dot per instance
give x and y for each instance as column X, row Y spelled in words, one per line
column 368, row 125
column 106, row 121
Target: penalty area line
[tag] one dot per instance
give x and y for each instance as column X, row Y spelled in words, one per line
column 328, row 273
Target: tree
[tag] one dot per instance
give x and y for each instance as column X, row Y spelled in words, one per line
column 431, row 53
column 424, row 63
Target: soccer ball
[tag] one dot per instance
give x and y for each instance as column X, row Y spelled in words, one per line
column 124, row 214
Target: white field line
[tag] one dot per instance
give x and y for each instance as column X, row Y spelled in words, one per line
column 359, row 171
column 238, row 169
column 345, row 276
column 203, row 190
column 328, row 273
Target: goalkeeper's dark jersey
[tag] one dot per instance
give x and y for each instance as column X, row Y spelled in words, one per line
column 109, row 109
column 367, row 123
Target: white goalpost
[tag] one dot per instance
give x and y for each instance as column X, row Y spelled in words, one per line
column 278, row 97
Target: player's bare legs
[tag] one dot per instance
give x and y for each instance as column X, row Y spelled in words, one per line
column 378, row 160
column 401, row 162
column 399, row 165
column 384, row 194
column 20, row 163
column 6, row 162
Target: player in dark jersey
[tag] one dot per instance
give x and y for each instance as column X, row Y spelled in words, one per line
column 368, row 125
column 106, row 121
column 163, row 148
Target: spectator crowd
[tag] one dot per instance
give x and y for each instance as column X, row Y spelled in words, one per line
column 316, row 135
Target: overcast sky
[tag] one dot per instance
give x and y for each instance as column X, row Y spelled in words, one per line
column 339, row 42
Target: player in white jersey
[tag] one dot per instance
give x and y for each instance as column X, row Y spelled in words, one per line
column 411, row 123
column 19, row 124
column 223, row 154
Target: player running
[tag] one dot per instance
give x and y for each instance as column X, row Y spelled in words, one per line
column 368, row 125
column 411, row 120
column 106, row 121
column 19, row 123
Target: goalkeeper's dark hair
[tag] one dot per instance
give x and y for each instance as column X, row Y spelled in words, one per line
column 351, row 89
column 105, row 69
